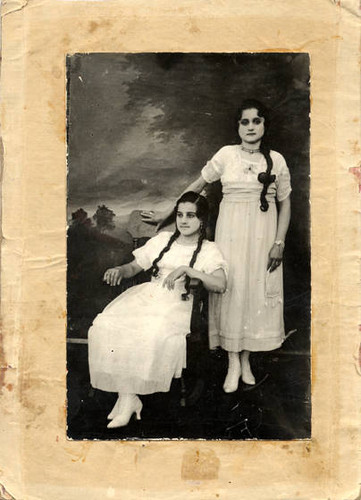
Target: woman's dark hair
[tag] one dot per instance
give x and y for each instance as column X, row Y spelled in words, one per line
column 202, row 211
column 264, row 178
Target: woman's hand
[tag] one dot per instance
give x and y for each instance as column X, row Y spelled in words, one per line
column 113, row 276
column 173, row 276
column 275, row 257
column 153, row 217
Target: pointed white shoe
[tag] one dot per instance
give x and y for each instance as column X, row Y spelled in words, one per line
column 129, row 405
column 115, row 410
column 232, row 378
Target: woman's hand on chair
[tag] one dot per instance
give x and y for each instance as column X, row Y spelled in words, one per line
column 173, row 276
column 275, row 257
column 113, row 276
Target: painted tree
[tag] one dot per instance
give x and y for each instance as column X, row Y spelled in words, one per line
column 80, row 218
column 104, row 218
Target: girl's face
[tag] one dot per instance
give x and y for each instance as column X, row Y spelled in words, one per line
column 251, row 126
column 187, row 221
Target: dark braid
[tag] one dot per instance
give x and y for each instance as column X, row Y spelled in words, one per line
column 202, row 236
column 155, row 268
column 266, row 178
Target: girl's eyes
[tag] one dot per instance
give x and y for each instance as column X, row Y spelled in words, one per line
column 191, row 216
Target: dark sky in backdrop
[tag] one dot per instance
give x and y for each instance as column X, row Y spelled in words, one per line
column 141, row 126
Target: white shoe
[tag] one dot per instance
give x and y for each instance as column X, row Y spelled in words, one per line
column 115, row 410
column 129, row 405
column 247, row 375
column 232, row 378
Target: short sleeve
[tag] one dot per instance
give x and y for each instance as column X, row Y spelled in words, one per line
column 213, row 259
column 283, row 180
column 146, row 254
column 214, row 168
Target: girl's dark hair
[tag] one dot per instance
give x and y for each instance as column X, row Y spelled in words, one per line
column 202, row 211
column 264, row 178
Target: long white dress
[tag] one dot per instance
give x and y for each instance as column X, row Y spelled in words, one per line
column 138, row 343
column 249, row 316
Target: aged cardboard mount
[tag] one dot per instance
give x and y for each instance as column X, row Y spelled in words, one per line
column 37, row 461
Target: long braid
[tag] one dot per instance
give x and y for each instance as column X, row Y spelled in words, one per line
column 155, row 268
column 265, row 177
column 202, row 236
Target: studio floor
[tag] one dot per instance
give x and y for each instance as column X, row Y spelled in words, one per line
column 277, row 408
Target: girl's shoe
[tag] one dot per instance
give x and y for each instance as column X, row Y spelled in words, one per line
column 129, row 405
column 115, row 410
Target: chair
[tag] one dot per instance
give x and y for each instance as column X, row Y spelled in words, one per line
column 197, row 341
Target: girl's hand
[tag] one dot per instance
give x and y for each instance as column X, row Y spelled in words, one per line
column 275, row 257
column 173, row 276
column 153, row 217
column 113, row 276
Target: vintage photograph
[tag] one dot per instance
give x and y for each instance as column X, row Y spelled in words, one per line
column 188, row 246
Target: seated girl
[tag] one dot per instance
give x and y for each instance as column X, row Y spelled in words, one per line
column 138, row 343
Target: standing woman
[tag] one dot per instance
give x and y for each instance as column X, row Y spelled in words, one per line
column 251, row 234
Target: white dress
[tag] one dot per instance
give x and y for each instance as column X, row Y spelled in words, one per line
column 138, row 343
column 249, row 316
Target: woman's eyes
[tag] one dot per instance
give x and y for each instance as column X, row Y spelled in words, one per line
column 256, row 121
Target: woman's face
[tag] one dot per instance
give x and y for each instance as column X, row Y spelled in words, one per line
column 251, row 126
column 188, row 223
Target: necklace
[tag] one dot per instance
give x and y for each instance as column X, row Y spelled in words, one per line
column 251, row 151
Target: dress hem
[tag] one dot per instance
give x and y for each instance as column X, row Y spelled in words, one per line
column 238, row 345
column 129, row 389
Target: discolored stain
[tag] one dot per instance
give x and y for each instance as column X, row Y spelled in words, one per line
column 10, row 387
column 307, row 450
column 200, row 464
column 93, row 26
column 66, row 40
column 356, row 149
column 193, row 27
column 356, row 171
column 62, row 315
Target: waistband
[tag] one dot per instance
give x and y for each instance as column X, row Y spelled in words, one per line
column 242, row 193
